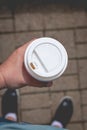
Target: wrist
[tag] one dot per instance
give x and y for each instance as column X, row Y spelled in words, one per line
column 2, row 79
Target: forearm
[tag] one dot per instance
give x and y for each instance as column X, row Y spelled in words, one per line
column 2, row 80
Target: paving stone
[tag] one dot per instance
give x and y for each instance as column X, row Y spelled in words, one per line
column 71, row 68
column 59, row 20
column 84, row 97
column 81, row 35
column 83, row 73
column 30, row 89
column 77, row 105
column 65, row 83
column 85, row 125
column 67, row 19
column 29, row 21
column 6, row 25
column 7, row 45
column 5, row 13
column 82, row 50
column 2, row 92
column 75, row 126
column 22, row 38
column 50, row 17
column 30, row 101
column 66, row 37
column 55, row 99
column 80, row 21
column 38, row 116
column 85, row 113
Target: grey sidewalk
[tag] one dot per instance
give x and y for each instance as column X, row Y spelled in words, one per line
column 69, row 26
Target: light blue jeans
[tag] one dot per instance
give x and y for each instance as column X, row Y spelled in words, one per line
column 9, row 125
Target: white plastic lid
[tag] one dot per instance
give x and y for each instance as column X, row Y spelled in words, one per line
column 45, row 59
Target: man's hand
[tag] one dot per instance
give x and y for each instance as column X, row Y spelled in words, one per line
column 14, row 74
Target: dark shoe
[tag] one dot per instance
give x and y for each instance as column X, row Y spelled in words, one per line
column 64, row 111
column 9, row 102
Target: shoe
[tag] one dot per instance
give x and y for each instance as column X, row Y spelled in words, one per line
column 9, row 102
column 64, row 111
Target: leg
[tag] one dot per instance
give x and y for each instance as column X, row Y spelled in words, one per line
column 63, row 113
column 10, row 105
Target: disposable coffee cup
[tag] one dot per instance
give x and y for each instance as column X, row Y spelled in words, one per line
column 45, row 59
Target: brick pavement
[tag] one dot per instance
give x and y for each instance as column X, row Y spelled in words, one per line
column 69, row 26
